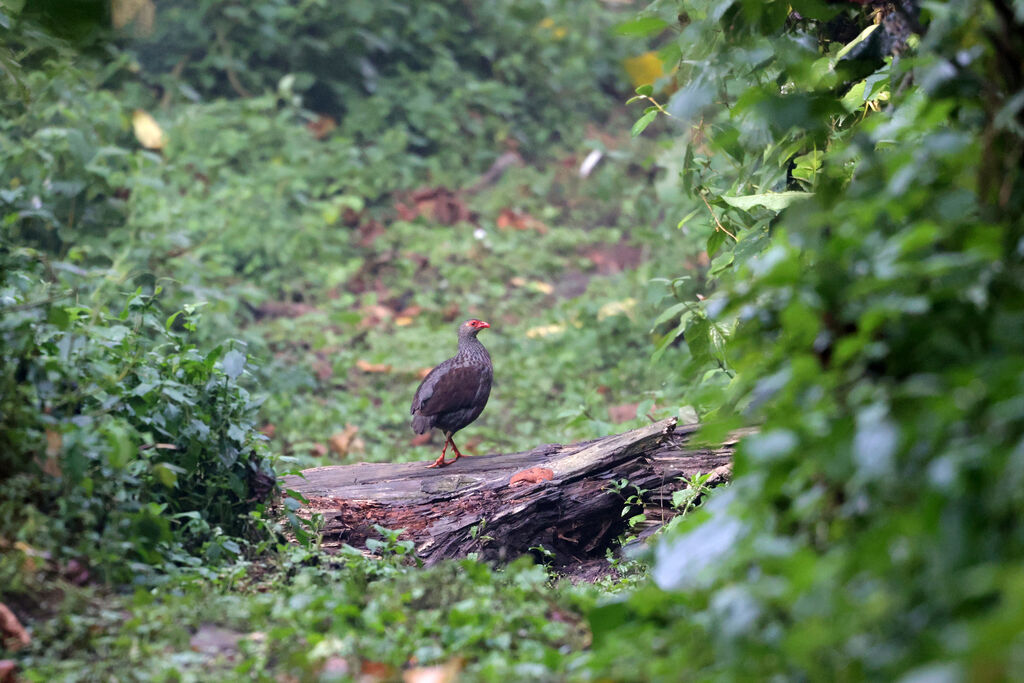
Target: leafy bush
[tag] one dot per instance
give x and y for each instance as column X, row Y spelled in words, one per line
column 347, row 616
column 122, row 444
column 872, row 328
column 63, row 144
column 499, row 71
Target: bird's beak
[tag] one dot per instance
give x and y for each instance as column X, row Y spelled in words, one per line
column 483, row 324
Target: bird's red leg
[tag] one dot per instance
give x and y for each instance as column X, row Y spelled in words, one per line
column 440, row 462
column 455, row 448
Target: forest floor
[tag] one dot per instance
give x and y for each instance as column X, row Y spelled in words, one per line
column 563, row 263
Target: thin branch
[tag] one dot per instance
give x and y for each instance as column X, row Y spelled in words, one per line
column 718, row 224
column 653, row 101
column 232, row 76
column 176, row 72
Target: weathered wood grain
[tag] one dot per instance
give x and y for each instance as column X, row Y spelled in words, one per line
column 502, row 505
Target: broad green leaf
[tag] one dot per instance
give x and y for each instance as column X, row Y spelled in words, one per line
column 715, row 242
column 234, row 363
column 685, row 219
column 856, row 41
column 643, row 122
column 667, row 340
column 641, row 26
column 721, row 262
column 670, row 313
column 776, row 201
column 167, row 474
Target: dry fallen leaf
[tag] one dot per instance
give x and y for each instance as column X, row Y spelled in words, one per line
column 420, row 439
column 544, row 331
column 622, row 413
column 623, row 307
column 369, row 231
column 519, row 220
column 147, row 130
column 29, row 556
column 536, row 285
column 345, row 441
column 613, row 258
column 443, row 673
column 375, row 671
column 322, row 126
column 451, row 312
column 141, row 12
column 438, row 203
column 367, row 366
column 14, row 634
column 410, row 311
column 532, row 476
column 375, row 314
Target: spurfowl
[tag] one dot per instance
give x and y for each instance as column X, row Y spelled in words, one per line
column 455, row 392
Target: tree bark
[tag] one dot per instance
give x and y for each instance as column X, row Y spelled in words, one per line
column 500, row 506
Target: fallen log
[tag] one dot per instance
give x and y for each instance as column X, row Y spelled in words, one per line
column 555, row 497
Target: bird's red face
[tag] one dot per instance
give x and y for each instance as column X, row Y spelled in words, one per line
column 477, row 324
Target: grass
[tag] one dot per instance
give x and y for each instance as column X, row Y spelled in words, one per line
column 339, row 344
column 349, row 613
column 569, row 298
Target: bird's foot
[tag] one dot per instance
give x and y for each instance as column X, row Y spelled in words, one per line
column 441, row 462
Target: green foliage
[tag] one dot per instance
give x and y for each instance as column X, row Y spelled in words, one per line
column 120, row 441
column 872, row 328
column 349, row 614
column 427, row 77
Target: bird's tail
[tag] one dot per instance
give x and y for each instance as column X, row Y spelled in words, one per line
column 421, row 424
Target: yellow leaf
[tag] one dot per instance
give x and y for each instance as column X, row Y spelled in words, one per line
column 644, row 69
column 442, row 673
column 147, row 130
column 549, row 24
column 141, row 12
column 624, row 307
column 542, row 287
column 367, row 366
column 535, row 285
column 544, row 331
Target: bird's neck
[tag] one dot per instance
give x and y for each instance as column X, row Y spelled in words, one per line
column 471, row 346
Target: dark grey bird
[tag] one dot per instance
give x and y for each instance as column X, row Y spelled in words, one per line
column 454, row 393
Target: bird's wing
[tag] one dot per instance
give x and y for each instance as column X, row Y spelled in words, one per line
column 450, row 387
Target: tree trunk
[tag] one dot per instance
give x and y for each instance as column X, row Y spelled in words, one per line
column 500, row 506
